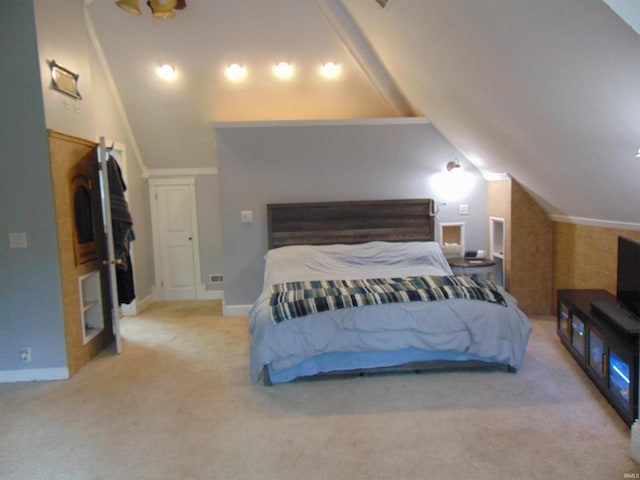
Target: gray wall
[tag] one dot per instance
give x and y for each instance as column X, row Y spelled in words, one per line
column 260, row 164
column 30, row 303
column 209, row 229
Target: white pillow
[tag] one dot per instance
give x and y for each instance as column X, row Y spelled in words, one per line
column 343, row 262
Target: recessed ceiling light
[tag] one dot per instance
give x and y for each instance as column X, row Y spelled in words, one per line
column 166, row 71
column 283, row 70
column 236, row 71
column 330, row 70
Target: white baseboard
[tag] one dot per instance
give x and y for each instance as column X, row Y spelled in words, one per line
column 136, row 306
column 156, row 293
column 144, row 303
column 201, row 294
column 130, row 310
column 235, row 310
column 214, row 295
column 201, row 291
column 33, row 375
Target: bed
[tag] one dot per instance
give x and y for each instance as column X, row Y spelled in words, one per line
column 357, row 287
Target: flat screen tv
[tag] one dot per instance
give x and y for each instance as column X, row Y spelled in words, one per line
column 628, row 292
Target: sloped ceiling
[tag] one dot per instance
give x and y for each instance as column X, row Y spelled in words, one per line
column 545, row 90
column 172, row 120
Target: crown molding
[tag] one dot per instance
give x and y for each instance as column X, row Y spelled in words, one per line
column 181, row 172
column 324, row 123
column 595, row 222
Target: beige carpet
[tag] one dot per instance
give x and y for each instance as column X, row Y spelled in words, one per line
column 177, row 404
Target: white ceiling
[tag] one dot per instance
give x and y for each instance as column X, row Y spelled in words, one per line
column 546, row 90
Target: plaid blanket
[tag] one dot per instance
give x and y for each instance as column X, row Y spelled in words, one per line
column 297, row 299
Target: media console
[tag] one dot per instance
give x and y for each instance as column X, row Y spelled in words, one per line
column 603, row 339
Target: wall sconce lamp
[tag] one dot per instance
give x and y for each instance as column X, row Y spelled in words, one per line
column 638, row 154
column 455, row 163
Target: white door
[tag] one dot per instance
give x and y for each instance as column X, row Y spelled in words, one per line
column 175, row 238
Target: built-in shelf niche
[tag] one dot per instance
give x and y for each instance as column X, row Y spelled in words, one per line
column 497, row 247
column 91, row 314
column 452, row 239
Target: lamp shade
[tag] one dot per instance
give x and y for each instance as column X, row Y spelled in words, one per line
column 163, row 9
column 130, row 6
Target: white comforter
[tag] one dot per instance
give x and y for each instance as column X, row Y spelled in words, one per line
column 487, row 330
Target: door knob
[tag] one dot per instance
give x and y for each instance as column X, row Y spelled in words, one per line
column 118, row 261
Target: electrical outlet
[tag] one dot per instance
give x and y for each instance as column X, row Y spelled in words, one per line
column 25, row 354
column 215, row 278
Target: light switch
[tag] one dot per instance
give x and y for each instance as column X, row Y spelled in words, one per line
column 18, row 240
column 464, row 209
column 246, row 216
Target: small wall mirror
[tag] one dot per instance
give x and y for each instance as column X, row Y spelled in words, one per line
column 64, row 80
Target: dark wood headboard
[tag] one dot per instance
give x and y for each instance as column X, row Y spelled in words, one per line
column 350, row 222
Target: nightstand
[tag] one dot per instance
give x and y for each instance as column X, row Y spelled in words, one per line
column 472, row 266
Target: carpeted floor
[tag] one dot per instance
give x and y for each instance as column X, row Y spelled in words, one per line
column 177, row 404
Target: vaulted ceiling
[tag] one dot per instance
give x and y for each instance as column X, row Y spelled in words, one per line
column 545, row 90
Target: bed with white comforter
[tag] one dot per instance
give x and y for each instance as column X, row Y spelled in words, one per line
column 382, row 335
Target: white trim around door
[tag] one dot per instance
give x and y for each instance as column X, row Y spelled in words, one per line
column 190, row 285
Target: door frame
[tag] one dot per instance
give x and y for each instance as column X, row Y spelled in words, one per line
column 158, row 277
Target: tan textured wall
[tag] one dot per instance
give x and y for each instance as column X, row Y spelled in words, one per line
column 499, row 202
column 531, row 253
column 586, row 256
column 528, row 245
